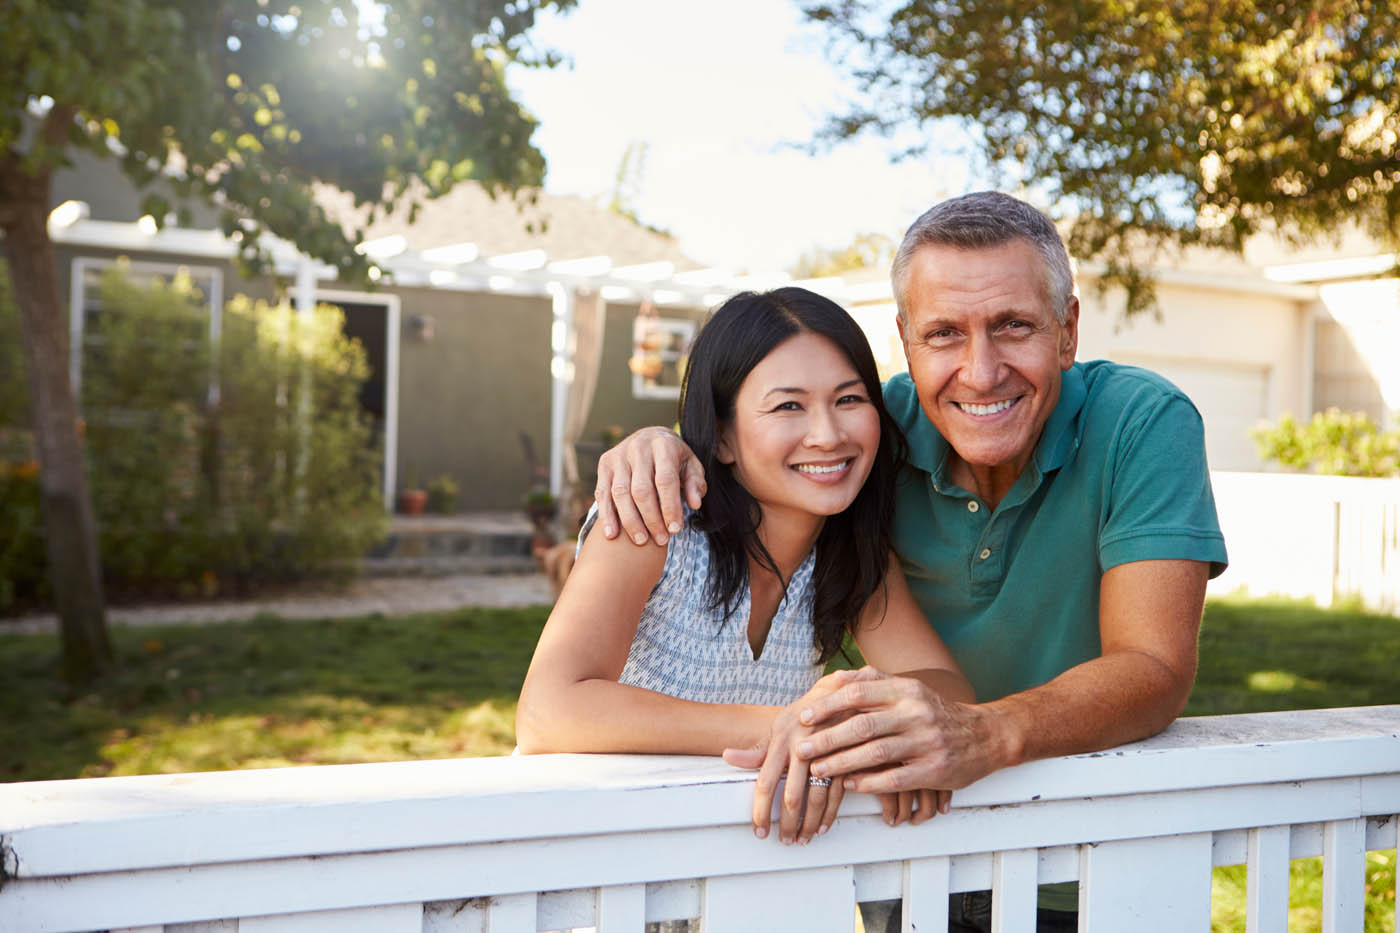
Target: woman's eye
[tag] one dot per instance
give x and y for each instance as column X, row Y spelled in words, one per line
column 788, row 406
column 852, row 399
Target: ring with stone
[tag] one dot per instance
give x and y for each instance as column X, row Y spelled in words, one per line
column 818, row 782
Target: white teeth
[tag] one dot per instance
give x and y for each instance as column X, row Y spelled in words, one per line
column 986, row 409
column 813, row 468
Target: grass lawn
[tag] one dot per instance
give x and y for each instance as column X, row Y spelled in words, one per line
column 269, row 693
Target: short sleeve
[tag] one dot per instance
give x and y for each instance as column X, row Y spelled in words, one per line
column 1159, row 501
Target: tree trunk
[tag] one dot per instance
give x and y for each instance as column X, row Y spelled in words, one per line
column 70, row 531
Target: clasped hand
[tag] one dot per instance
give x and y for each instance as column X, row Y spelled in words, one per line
column 816, row 736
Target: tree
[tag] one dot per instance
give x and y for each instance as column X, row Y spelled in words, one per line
column 865, row 251
column 1192, row 121
column 243, row 104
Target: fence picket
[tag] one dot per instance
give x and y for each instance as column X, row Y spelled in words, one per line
column 1014, row 891
column 622, row 908
column 1266, row 885
column 814, row 899
column 512, row 913
column 925, row 895
column 1146, row 884
column 1343, row 875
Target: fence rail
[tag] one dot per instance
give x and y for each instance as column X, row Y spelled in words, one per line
column 613, row 841
column 1323, row 538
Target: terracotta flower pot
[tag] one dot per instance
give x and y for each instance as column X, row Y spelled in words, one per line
column 413, row 501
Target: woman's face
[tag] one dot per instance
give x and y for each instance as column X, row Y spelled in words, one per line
column 805, row 431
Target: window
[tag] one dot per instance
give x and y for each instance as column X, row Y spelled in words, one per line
column 659, row 350
column 85, row 305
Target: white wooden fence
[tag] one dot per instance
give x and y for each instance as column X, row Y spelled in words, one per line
column 1318, row 537
column 556, row 842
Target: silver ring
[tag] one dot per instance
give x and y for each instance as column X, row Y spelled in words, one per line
column 818, row 782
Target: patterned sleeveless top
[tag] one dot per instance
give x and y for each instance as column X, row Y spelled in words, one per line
column 685, row 648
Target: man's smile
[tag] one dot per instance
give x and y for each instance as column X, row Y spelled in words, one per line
column 972, row 408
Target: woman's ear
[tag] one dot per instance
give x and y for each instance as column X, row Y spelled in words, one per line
column 724, row 448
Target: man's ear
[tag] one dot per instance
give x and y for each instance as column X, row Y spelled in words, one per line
column 724, row 449
column 1069, row 333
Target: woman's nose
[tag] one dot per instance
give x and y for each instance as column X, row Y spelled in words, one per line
column 824, row 429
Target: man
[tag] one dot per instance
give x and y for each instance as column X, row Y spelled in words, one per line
column 1054, row 519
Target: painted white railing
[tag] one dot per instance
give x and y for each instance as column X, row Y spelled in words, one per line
column 526, row 844
column 1317, row 537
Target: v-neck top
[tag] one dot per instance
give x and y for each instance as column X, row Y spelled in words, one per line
column 686, row 648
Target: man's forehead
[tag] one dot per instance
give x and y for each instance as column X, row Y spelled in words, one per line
column 949, row 279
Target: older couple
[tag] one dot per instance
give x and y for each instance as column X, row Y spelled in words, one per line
column 1054, row 521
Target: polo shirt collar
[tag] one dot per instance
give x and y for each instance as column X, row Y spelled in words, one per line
column 928, row 451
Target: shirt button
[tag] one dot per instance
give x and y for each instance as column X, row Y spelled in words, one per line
column 986, row 552
column 972, row 505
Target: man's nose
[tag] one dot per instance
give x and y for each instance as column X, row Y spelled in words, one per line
column 981, row 364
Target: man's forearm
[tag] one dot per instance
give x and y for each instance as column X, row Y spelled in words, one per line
column 1117, row 698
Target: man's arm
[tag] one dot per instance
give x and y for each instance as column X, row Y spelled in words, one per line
column 640, row 482
column 1149, row 619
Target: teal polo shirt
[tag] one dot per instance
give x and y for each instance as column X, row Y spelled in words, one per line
column 1119, row 475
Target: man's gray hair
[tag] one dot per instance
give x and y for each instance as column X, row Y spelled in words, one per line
column 983, row 220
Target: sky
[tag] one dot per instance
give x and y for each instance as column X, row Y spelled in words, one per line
column 722, row 92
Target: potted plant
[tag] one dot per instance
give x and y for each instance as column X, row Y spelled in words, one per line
column 412, row 499
column 443, row 493
column 540, row 506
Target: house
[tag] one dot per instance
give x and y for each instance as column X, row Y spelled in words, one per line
column 498, row 330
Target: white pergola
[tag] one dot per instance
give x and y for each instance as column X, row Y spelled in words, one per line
column 463, row 267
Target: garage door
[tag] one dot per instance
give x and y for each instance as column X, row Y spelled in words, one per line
column 1232, row 399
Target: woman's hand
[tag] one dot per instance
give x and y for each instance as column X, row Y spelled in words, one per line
column 808, row 809
column 913, row 806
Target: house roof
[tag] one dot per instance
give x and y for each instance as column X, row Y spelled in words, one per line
column 563, row 226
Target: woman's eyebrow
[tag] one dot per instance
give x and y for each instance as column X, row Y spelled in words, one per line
column 787, row 390
column 795, row 390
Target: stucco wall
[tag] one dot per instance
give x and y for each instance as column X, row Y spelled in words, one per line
column 613, row 401
column 1242, row 357
column 466, row 394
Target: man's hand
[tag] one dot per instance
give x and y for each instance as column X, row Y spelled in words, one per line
column 640, row 483
column 894, row 734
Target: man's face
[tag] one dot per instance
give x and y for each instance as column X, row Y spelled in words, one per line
column 985, row 350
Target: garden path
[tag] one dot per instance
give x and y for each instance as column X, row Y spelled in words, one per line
column 386, row 595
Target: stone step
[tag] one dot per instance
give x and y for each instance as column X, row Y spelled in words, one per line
column 441, row 545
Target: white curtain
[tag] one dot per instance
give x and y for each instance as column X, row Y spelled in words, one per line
column 590, row 313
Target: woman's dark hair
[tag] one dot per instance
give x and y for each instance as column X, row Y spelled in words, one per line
column 853, row 549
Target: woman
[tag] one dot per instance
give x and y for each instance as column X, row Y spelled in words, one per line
column 718, row 640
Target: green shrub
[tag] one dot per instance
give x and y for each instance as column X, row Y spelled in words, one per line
column 1334, row 441
column 443, row 495
column 209, row 466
